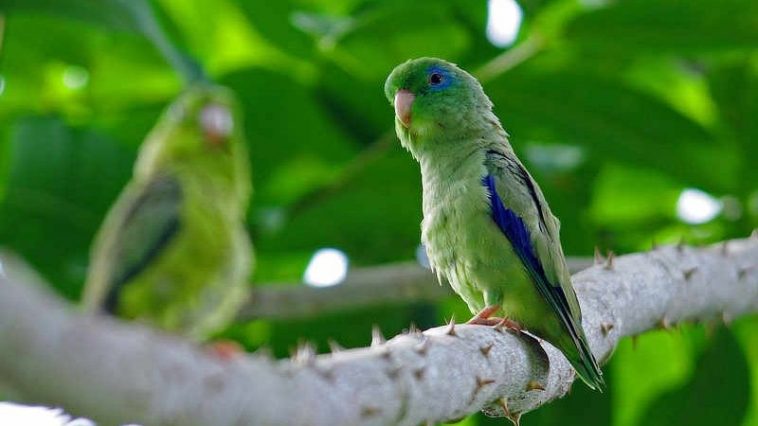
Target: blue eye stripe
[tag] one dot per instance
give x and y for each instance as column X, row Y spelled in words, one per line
column 447, row 77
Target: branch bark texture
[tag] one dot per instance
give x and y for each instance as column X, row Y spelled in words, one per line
column 397, row 283
column 120, row 373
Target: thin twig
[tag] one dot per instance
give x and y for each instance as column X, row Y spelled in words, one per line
column 393, row 284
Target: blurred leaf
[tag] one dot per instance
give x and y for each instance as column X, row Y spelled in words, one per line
column 60, row 184
column 582, row 406
column 613, row 121
column 357, row 106
column 117, row 70
column 119, row 15
column 393, row 32
column 734, row 87
column 633, row 26
column 744, row 329
column 680, row 83
column 714, row 395
column 274, row 20
column 382, row 204
column 633, row 386
column 626, row 197
column 290, row 136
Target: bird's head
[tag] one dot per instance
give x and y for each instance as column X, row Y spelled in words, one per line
column 208, row 114
column 201, row 132
column 433, row 97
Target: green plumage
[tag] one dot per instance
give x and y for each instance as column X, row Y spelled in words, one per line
column 445, row 120
column 173, row 250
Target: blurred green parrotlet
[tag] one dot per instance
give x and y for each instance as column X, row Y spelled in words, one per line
column 173, row 250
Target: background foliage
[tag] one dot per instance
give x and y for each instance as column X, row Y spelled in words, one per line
column 617, row 108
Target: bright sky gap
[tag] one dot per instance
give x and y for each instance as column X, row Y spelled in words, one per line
column 695, row 206
column 503, row 22
column 327, row 267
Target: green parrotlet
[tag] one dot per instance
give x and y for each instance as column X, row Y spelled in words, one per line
column 487, row 227
column 173, row 250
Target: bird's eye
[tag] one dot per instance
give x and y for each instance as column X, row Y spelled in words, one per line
column 435, row 79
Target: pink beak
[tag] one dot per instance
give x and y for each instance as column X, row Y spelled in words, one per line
column 403, row 104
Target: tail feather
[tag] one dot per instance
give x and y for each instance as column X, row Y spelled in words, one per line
column 586, row 367
column 580, row 356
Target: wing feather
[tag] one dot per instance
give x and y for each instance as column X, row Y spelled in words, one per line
column 131, row 241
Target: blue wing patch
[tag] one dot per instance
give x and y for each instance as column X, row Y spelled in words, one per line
column 514, row 228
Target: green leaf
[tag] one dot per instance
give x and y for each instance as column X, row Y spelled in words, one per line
column 381, row 204
column 274, row 20
column 117, row 70
column 734, row 87
column 717, row 393
column 134, row 16
column 626, row 197
column 643, row 369
column 634, row 26
column 290, row 136
column 745, row 330
column 60, row 183
column 614, row 122
column 582, row 407
column 118, row 15
column 390, row 33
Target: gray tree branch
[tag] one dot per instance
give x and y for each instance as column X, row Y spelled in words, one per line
column 398, row 283
column 118, row 373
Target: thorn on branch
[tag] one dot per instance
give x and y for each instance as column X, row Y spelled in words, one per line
column 305, row 354
column 394, row 372
column 325, row 373
column 369, row 411
column 264, row 352
column 726, row 318
column 609, row 261
column 413, row 330
column 687, row 273
column 485, row 350
column 515, row 418
column 534, row 385
column 334, row 346
column 680, row 246
column 606, row 328
column 480, row 383
column 451, row 328
column 423, row 347
column 664, row 323
column 725, row 248
column 419, row 373
column 754, row 234
column 653, row 245
column 385, row 353
column 598, row 256
column 377, row 338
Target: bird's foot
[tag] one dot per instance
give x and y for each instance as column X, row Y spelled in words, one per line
column 225, row 350
column 491, row 322
column 497, row 322
column 509, row 324
column 483, row 317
